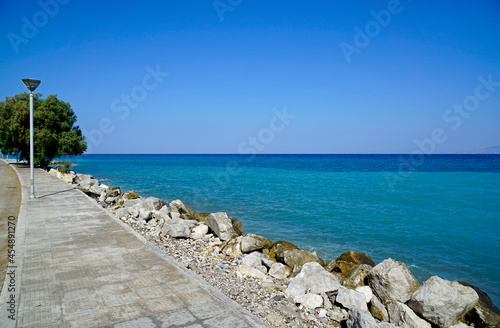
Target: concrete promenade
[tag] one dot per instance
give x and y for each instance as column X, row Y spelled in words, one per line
column 76, row 265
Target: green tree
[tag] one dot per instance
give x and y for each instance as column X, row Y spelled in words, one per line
column 54, row 131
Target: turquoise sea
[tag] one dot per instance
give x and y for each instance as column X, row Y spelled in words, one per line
column 439, row 214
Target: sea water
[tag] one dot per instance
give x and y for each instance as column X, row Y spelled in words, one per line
column 438, row 214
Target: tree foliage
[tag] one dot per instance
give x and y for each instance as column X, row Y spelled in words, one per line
column 54, row 131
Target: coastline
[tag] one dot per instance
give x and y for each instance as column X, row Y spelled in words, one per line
column 237, row 263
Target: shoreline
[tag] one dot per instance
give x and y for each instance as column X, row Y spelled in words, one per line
column 214, row 246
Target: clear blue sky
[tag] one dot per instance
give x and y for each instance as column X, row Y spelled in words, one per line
column 355, row 79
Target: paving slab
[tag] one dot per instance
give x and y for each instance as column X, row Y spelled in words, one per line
column 76, row 265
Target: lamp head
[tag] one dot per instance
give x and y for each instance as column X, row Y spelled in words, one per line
column 31, row 84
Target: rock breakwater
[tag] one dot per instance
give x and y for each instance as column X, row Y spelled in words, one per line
column 287, row 286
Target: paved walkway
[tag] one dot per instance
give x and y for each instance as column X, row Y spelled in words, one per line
column 76, row 265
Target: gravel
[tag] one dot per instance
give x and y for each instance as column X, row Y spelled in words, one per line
column 264, row 298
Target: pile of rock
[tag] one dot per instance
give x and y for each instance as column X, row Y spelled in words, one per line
column 350, row 290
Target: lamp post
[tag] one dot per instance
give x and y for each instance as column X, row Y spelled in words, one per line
column 31, row 84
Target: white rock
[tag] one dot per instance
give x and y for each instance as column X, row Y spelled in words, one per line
column 357, row 318
column 384, row 324
column 312, row 301
column 327, row 304
column 96, row 189
column 402, row 316
column 252, row 260
column 178, row 230
column 251, row 272
column 153, row 203
column 175, row 216
column 128, row 203
column 103, row 196
column 221, row 225
column 460, row 325
column 392, row 280
column 199, row 231
column 367, row 291
column 251, row 243
column 314, row 278
column 280, row 271
column 262, row 268
column 351, row 299
column 443, row 302
column 336, row 315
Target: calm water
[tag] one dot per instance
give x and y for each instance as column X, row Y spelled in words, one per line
column 439, row 214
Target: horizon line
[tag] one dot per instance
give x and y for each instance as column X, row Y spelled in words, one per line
column 275, row 154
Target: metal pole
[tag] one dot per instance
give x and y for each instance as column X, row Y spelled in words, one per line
column 32, row 151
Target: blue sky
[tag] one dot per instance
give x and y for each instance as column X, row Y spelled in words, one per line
column 235, row 76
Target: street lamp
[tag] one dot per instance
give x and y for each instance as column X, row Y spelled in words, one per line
column 31, row 84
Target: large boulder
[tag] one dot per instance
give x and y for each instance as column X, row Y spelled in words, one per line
column 252, row 273
column 178, row 228
column 312, row 301
column 130, row 195
column 113, row 192
column 355, row 276
column 221, row 225
column 84, row 181
column 384, row 324
column 378, row 310
column 280, row 270
column 257, row 261
column 202, row 216
column 392, row 281
column 252, row 242
column 402, row 316
column 349, row 259
column 313, row 278
column 357, row 318
column 367, row 291
column 153, row 204
column 163, row 213
column 98, row 188
column 298, row 257
column 252, row 260
column 461, row 325
column 485, row 314
column 443, row 302
column 199, row 231
column 68, row 177
column 351, row 299
column 279, row 248
column 129, row 203
column 237, row 226
column 231, row 247
column 186, row 212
